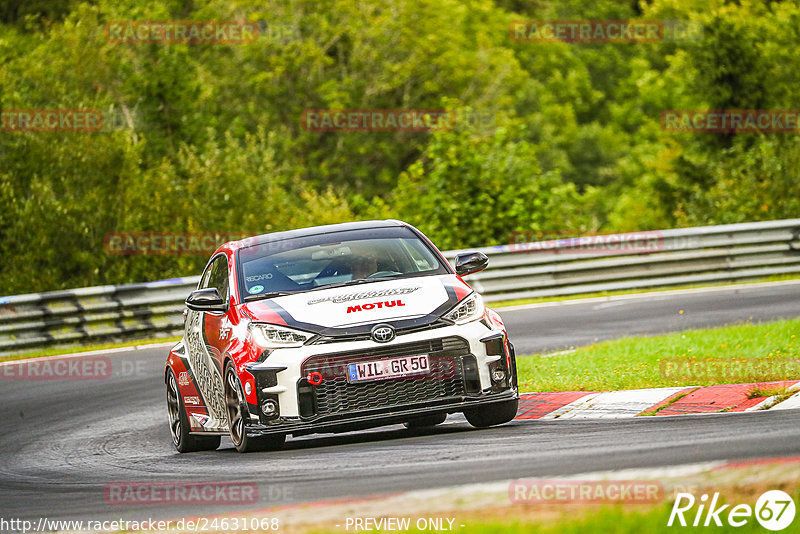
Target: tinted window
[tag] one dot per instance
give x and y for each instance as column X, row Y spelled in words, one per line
column 312, row 262
column 216, row 275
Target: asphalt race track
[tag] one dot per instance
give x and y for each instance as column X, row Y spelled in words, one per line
column 557, row 326
column 63, row 441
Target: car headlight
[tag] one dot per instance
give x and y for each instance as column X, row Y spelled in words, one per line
column 270, row 336
column 469, row 309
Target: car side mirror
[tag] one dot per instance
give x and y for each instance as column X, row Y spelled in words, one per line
column 471, row 262
column 207, row 300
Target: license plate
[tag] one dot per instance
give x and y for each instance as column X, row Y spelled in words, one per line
column 385, row 369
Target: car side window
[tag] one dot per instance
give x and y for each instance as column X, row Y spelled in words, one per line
column 206, row 278
column 219, row 276
column 216, row 275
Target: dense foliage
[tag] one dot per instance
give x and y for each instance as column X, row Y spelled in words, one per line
column 207, row 137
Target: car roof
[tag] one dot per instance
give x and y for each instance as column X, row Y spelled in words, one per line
column 313, row 230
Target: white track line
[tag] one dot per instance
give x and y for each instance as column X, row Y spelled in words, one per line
column 559, row 412
column 91, row 353
column 766, row 404
column 649, row 294
column 792, row 402
column 613, row 404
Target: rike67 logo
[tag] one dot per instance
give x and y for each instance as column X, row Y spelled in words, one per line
column 774, row 510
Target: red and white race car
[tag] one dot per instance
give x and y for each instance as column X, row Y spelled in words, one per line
column 335, row 328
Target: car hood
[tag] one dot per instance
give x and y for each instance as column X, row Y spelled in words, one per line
column 418, row 300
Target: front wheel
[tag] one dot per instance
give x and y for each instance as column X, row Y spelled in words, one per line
column 492, row 414
column 179, row 423
column 237, row 414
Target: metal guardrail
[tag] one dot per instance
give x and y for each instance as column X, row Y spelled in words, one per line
column 518, row 271
column 703, row 254
column 93, row 314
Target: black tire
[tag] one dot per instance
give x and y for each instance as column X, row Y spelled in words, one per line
column 179, row 423
column 492, row 414
column 426, row 421
column 514, row 382
column 236, row 405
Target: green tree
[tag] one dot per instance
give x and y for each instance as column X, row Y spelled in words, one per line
column 470, row 191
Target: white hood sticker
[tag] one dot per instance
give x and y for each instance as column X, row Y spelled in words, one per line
column 368, row 303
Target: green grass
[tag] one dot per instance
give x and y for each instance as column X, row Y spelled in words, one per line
column 602, row 518
column 732, row 354
column 538, row 300
column 608, row 519
column 759, row 392
column 85, row 348
column 666, row 405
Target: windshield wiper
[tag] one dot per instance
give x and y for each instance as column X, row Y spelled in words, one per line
column 351, row 283
column 262, row 296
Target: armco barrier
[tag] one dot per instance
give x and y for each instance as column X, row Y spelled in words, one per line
column 78, row 316
column 682, row 256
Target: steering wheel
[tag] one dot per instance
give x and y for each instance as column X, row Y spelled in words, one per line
column 334, row 268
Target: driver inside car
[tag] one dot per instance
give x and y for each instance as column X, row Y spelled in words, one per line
column 363, row 266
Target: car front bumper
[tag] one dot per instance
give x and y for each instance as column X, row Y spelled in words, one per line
column 349, row 422
column 463, row 359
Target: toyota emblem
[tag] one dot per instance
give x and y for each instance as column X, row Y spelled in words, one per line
column 382, row 333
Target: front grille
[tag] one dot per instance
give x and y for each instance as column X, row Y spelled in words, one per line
column 335, row 395
column 364, row 336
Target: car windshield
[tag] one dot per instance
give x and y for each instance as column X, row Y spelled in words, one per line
column 338, row 258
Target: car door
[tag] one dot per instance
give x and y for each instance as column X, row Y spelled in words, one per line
column 203, row 345
column 217, row 324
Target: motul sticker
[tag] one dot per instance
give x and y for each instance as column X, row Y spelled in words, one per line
column 374, row 305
